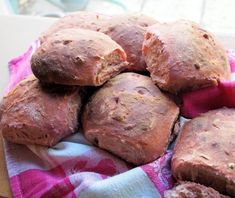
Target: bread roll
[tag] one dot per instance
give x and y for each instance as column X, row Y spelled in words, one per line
column 81, row 19
column 130, row 117
column 128, row 31
column 78, row 57
column 192, row 190
column 36, row 114
column 181, row 56
column 205, row 151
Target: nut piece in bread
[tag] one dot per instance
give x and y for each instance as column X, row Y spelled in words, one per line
column 181, row 56
column 192, row 190
column 78, row 57
column 37, row 114
column 205, row 151
column 130, row 117
column 81, row 19
column 128, row 31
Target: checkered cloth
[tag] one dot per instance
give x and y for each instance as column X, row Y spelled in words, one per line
column 74, row 168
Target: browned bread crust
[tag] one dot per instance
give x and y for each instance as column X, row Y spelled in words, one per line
column 181, row 56
column 128, row 31
column 81, row 19
column 34, row 114
column 130, row 117
column 205, row 151
column 78, row 57
column 192, row 190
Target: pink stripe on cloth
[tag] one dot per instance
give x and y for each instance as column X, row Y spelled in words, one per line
column 104, row 167
column 39, row 183
column 231, row 55
column 19, row 67
column 159, row 173
column 203, row 100
column 228, row 89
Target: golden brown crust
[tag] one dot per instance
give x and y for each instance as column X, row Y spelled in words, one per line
column 78, row 57
column 130, row 117
column 181, row 56
column 82, row 19
column 190, row 190
column 33, row 114
column 128, row 31
column 205, row 151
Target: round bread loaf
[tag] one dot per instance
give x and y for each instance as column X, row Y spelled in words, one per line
column 128, row 31
column 205, row 151
column 80, row 19
column 78, row 57
column 130, row 117
column 181, row 56
column 36, row 114
column 190, row 190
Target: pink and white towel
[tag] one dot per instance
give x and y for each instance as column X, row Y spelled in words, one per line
column 74, row 168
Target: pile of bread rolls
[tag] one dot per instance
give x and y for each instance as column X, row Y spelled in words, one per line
column 138, row 67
